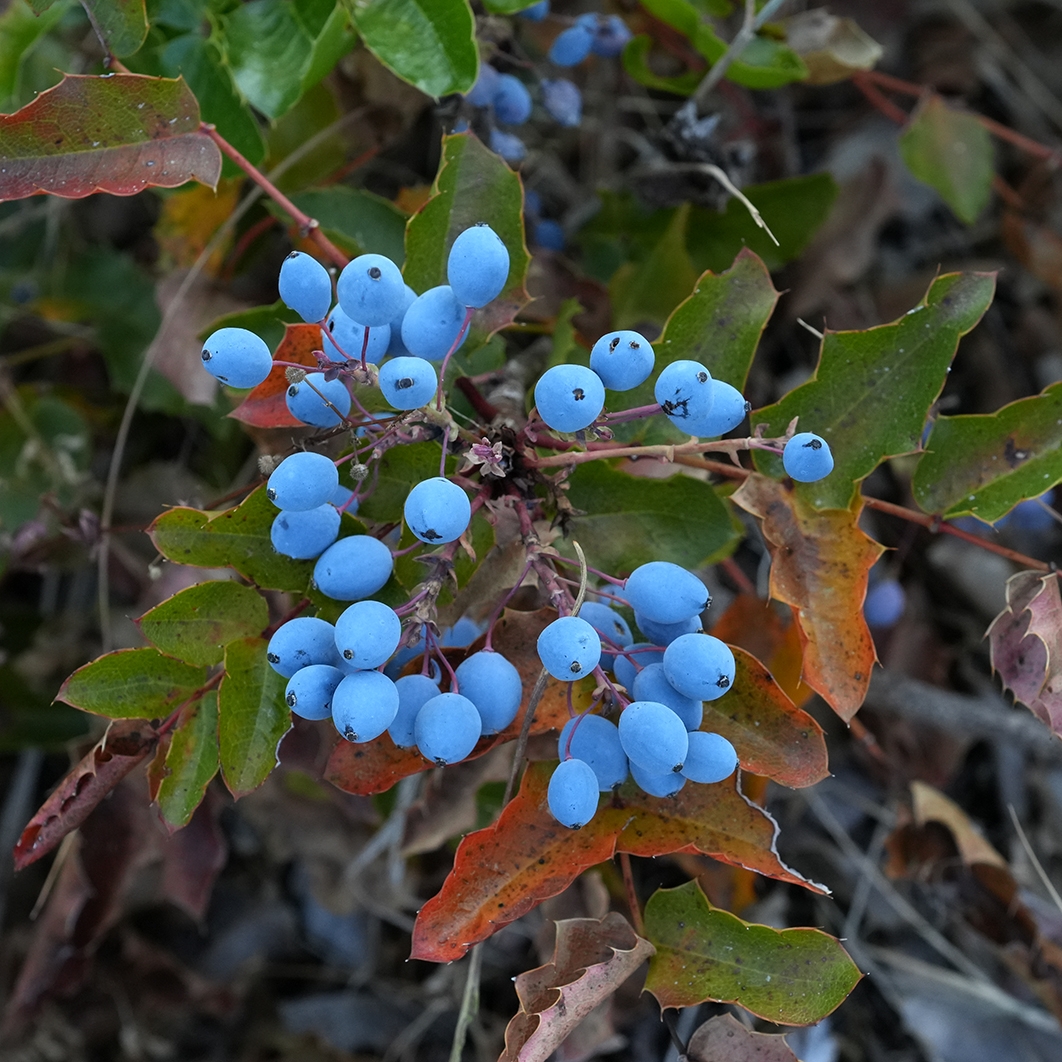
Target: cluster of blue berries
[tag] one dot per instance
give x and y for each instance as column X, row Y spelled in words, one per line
column 658, row 740
column 603, row 35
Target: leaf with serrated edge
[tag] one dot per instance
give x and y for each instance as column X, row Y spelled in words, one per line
column 195, row 623
column 121, row 25
column 264, row 406
column 790, row 976
column 872, row 389
column 131, row 684
column 724, row 1039
column 821, row 562
column 591, row 959
column 502, row 872
column 983, row 464
column 191, row 762
column 120, row 133
column 252, row 716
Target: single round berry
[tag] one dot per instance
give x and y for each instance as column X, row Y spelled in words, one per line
column 710, row 758
column 651, row 684
column 548, row 234
column 572, row 46
column 437, row 511
column 596, row 741
column 658, row 785
column 536, row 12
column 478, row 266
column 310, row 689
column 367, row 633
column 305, row 286
column 371, row 289
column 464, row 632
column 447, row 728
column 353, row 568
column 569, row 397
column 307, row 534
column 884, row 604
column 639, row 655
column 512, row 101
column 684, row 391
column 699, row 665
column 807, row 458
column 237, row 357
column 299, row 643
column 729, row 409
column 342, row 339
column 563, row 101
column 569, row 648
column 653, row 736
column 610, row 36
column 665, row 593
column 493, row 685
column 481, row 94
column 396, row 348
column 508, row 145
column 414, row 691
column 319, row 402
column 665, row 633
column 622, row 359
column 433, row 322
column 408, row 383
column 572, row 795
column 302, row 481
column 364, row 705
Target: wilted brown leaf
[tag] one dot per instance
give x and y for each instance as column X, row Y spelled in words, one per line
column 724, row 1039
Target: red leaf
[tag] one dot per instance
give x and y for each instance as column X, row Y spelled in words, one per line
column 120, row 133
column 507, row 869
column 264, row 407
column 127, row 743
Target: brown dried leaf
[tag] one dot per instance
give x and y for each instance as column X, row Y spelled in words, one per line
column 724, row 1039
column 832, row 48
column 930, row 805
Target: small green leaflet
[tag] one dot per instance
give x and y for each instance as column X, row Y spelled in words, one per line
column 191, row 761
column 361, row 222
column 121, row 25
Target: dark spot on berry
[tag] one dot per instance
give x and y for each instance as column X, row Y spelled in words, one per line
column 294, row 254
column 615, row 343
column 405, row 382
column 293, row 390
column 349, row 734
column 576, row 667
column 374, row 272
column 678, row 768
column 578, row 394
column 273, row 658
column 291, row 699
column 813, row 444
column 206, row 354
column 431, row 534
column 680, row 409
column 723, row 682
column 271, row 494
column 348, row 654
column 748, row 406
column 702, row 377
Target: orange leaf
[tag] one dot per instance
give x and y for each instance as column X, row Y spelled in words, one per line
column 507, row 869
column 264, row 407
column 820, row 564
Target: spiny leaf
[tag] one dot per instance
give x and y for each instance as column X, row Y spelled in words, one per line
column 724, row 1039
column 821, row 562
column 791, row 976
column 265, row 406
column 120, row 133
column 507, row 869
column 872, row 389
column 591, row 959
column 191, row 762
column 121, row 25
column 985, row 463
column 131, row 684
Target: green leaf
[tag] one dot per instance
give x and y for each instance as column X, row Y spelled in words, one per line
column 790, row 976
column 401, row 469
column 132, row 684
column 237, row 538
column 473, row 185
column 359, row 221
column 252, row 716
column 121, row 25
column 191, row 761
column 984, row 464
column 429, row 43
column 872, row 390
column 507, row 7
column 630, row 520
column 20, row 31
column 950, row 151
column 26, row 718
column 636, row 63
column 195, row 624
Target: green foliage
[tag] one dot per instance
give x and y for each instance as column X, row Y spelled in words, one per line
column 191, row 761
column 357, row 221
column 120, row 24
column 20, row 31
column 401, row 469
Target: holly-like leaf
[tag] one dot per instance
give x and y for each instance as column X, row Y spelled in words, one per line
column 473, row 185
column 264, row 406
column 252, row 716
column 195, row 624
column 125, row 746
column 121, row 25
column 790, row 976
column 870, row 394
column 236, row 538
column 120, row 133
column 983, row 464
column 724, row 1039
column 359, row 221
column 132, row 684
column 627, row 520
column 507, row 869
column 591, row 959
column 429, row 43
column 191, row 762
column 821, row 561
column 951, row 151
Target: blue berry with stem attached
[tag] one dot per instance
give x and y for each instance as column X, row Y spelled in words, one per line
column 596, row 741
column 300, row 642
column 622, row 359
column 651, row 684
column 342, row 339
column 710, row 758
column 512, row 101
column 700, row 665
column 572, row 45
column 353, row 568
column 319, row 402
column 305, row 286
column 493, row 685
column 307, row 534
column 437, row 511
column 569, row 648
column 653, row 737
column 309, row 691
column 371, row 289
column 408, row 383
column 364, row 705
column 684, row 391
column 414, row 691
column 572, row 795
column 569, row 397
column 433, row 322
column 367, row 633
column 807, row 457
column 447, row 728
column 302, row 481
column 563, row 101
column 665, row 593
column 729, row 409
column 477, row 266
column 236, row 357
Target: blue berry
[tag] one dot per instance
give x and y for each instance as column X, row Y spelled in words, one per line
column 548, row 234
column 305, row 480
column 309, row 691
column 433, row 322
column 437, row 511
column 569, row 648
column 653, row 737
column 728, row 411
column 408, row 383
column 364, row 705
column 312, row 401
column 610, row 37
column 349, row 338
column 237, row 357
column 300, row 642
column 305, row 286
column 666, row 633
column 532, row 202
column 464, row 632
column 684, row 391
column 710, row 758
column 478, row 266
column 651, row 684
column 481, row 94
column 572, row 46
column 447, row 728
column 658, row 785
column 665, row 593
column 572, row 795
column 353, row 568
column 1030, row 515
column 493, row 685
column 884, row 604
column 563, row 100
column 699, row 665
column 396, row 348
column 512, row 101
column 367, row 633
column 626, row 668
column 508, row 145
column 608, row 623
column 307, row 534
column 807, row 458
column 341, row 499
column 536, row 12
column 569, row 397
column 622, row 359
column 596, row 741
column 414, row 691
column 371, row 289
